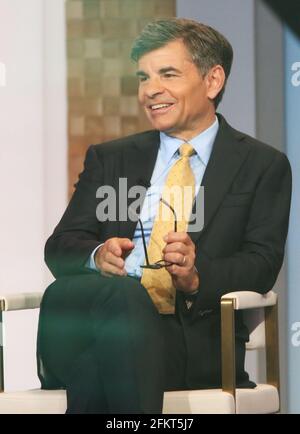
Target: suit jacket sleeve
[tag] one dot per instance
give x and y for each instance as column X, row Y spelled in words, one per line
column 78, row 232
column 256, row 265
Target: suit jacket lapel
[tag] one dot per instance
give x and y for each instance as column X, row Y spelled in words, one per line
column 226, row 159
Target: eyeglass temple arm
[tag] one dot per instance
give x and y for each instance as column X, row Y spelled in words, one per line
column 143, row 234
column 144, row 242
column 173, row 211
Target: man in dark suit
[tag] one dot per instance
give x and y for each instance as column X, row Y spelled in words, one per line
column 102, row 335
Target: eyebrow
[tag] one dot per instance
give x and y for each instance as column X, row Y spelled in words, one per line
column 161, row 71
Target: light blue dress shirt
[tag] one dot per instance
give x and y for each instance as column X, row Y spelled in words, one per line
column 168, row 154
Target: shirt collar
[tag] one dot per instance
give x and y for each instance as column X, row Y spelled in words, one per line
column 202, row 144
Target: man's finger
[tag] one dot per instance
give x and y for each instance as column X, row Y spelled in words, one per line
column 114, row 247
column 175, row 258
column 177, row 246
column 176, row 270
column 125, row 243
column 114, row 260
column 112, row 269
column 183, row 237
column 118, row 245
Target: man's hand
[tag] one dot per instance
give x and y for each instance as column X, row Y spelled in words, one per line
column 110, row 257
column 180, row 250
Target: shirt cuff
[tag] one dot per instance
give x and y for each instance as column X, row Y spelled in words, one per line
column 91, row 261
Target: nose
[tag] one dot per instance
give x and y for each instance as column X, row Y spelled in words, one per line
column 153, row 87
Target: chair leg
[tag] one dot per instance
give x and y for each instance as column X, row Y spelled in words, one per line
column 1, row 355
column 228, row 346
column 272, row 346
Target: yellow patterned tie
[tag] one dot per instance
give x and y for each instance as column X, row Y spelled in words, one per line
column 179, row 192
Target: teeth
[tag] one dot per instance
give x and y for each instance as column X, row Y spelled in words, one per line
column 158, row 106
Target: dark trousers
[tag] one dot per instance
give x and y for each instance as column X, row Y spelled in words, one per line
column 104, row 341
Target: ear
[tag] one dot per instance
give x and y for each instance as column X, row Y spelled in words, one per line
column 215, row 80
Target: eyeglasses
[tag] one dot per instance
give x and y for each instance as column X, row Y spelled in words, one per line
column 162, row 263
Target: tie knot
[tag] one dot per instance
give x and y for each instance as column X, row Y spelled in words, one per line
column 186, row 150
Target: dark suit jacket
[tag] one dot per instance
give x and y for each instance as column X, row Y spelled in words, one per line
column 241, row 246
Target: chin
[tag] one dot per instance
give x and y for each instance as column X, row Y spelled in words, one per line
column 163, row 127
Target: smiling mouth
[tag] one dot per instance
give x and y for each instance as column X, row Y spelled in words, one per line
column 160, row 108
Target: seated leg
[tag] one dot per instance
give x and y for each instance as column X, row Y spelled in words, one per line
column 116, row 317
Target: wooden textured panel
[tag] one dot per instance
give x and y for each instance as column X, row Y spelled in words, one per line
column 102, row 88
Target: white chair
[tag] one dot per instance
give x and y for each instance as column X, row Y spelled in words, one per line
column 260, row 314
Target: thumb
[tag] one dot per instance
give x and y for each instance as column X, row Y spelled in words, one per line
column 126, row 244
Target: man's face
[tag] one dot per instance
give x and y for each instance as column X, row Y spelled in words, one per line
column 173, row 93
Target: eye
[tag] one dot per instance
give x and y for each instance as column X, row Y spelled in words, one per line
column 169, row 75
column 142, row 78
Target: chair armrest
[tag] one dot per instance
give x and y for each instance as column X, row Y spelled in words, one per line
column 17, row 301
column 250, row 299
column 21, row 300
